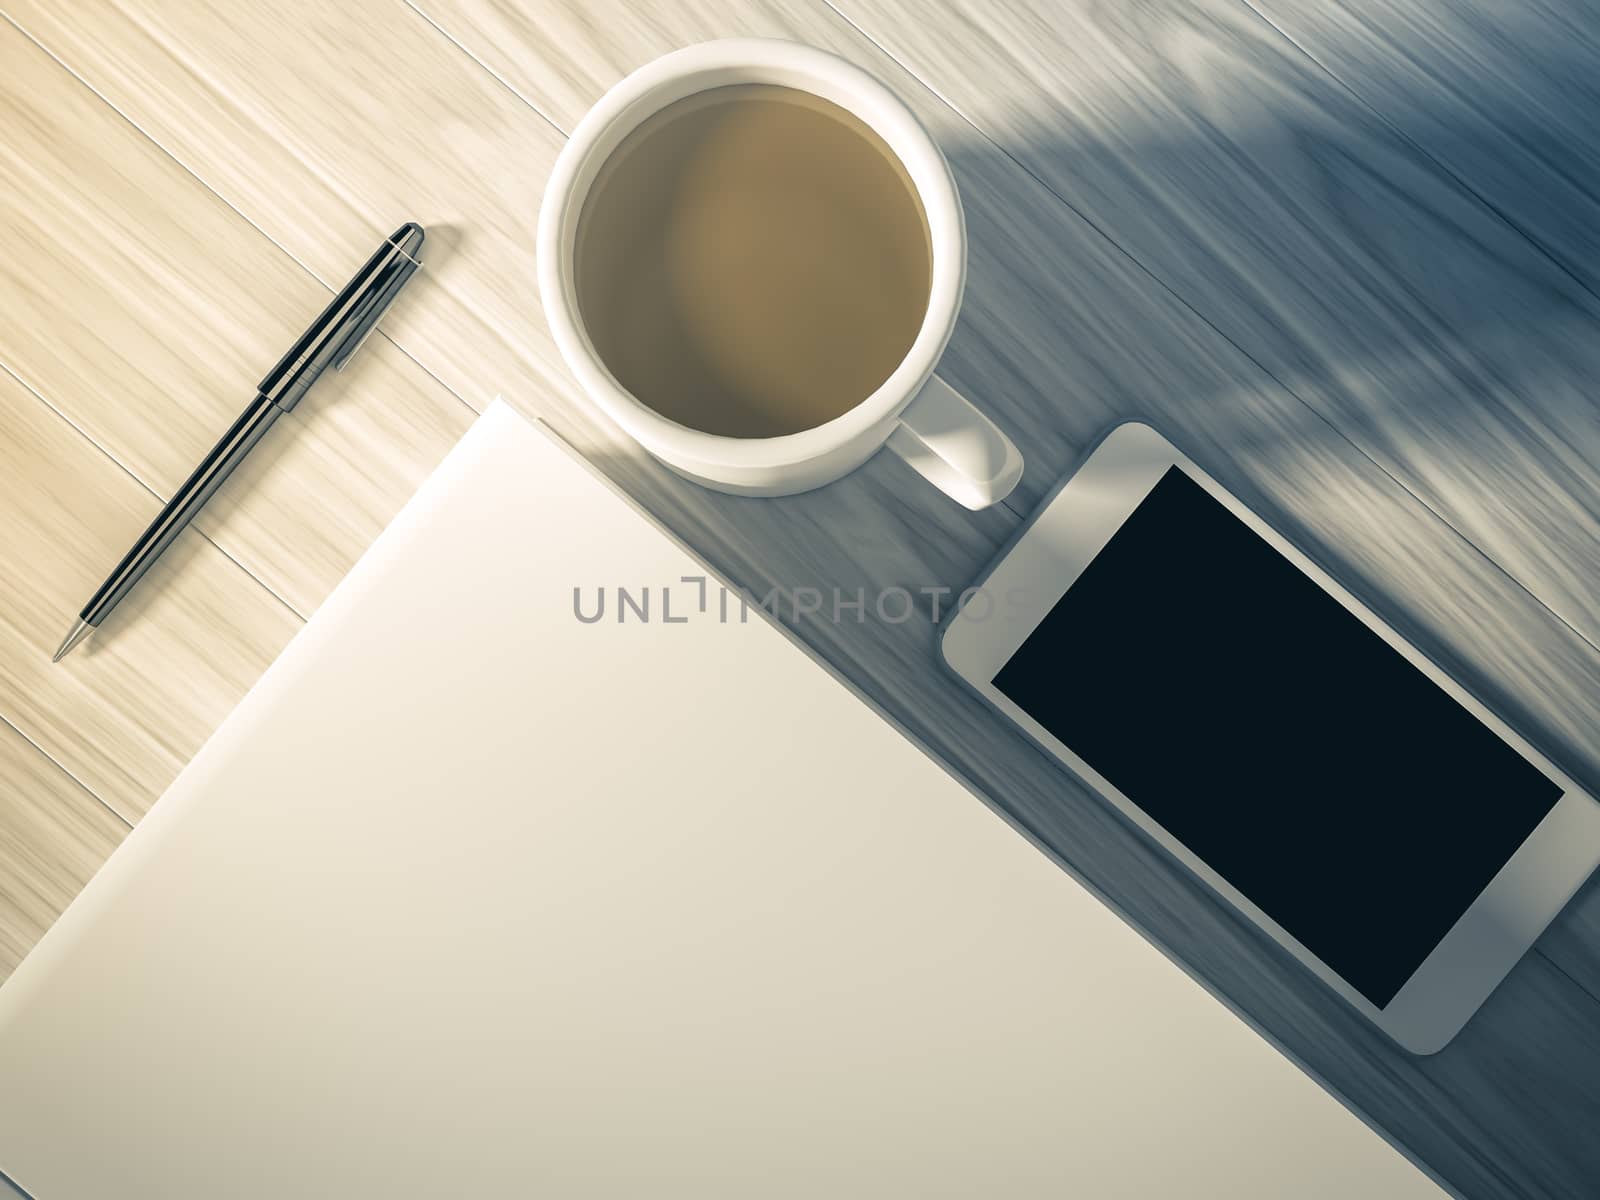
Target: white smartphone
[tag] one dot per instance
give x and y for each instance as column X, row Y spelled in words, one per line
column 1265, row 727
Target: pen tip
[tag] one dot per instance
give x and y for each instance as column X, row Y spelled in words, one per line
column 76, row 634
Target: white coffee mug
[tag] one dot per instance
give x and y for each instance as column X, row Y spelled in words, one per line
column 914, row 412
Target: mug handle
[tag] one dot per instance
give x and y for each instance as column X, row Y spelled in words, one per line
column 955, row 447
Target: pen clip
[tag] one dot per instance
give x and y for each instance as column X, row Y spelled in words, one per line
column 364, row 321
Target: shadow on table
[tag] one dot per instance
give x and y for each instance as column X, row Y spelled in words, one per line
column 1394, row 343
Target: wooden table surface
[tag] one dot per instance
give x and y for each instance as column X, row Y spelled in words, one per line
column 1348, row 255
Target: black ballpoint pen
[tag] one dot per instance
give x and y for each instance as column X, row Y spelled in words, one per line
column 330, row 341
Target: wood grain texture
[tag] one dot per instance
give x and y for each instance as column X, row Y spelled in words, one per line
column 145, row 310
column 1061, row 336
column 1573, row 940
column 53, row 836
column 1507, row 96
column 126, row 711
column 1363, row 277
column 367, row 144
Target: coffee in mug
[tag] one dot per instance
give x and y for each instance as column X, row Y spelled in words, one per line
column 752, row 261
column 751, row 256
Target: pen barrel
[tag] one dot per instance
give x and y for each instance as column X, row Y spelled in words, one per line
column 176, row 514
column 333, row 337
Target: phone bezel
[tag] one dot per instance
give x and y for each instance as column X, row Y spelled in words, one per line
column 1024, row 584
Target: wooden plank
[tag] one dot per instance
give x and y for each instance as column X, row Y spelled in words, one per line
column 53, row 836
column 435, row 142
column 1303, row 227
column 127, row 709
column 1573, row 940
column 1061, row 336
column 146, row 310
column 1507, row 96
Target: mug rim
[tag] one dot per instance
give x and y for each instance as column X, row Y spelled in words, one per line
column 702, row 67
